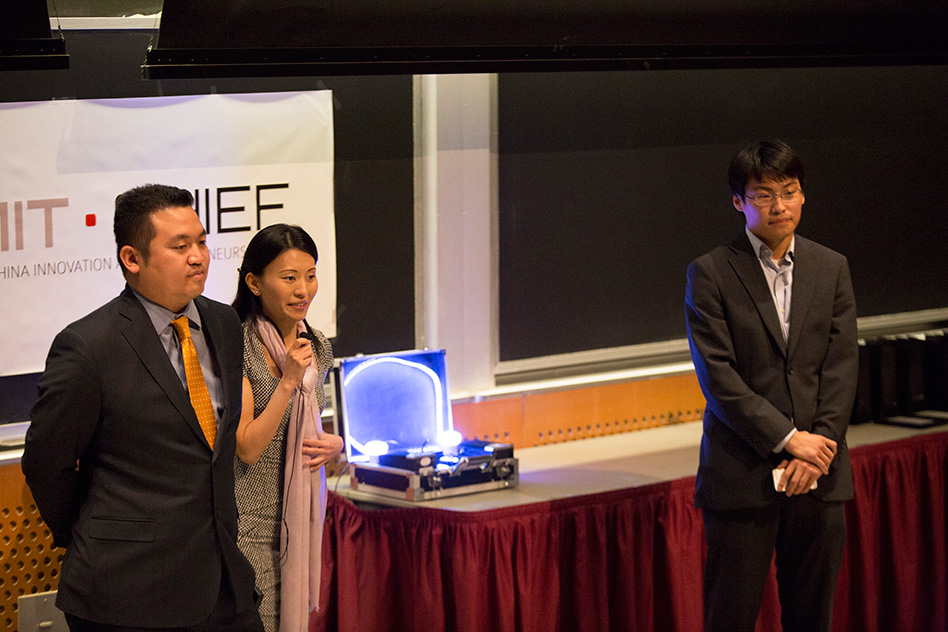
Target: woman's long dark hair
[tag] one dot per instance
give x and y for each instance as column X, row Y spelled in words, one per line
column 267, row 245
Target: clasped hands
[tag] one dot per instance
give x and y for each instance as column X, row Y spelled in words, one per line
column 814, row 453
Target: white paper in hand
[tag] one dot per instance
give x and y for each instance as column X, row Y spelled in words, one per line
column 778, row 473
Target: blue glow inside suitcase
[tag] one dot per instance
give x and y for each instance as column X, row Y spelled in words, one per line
column 394, row 411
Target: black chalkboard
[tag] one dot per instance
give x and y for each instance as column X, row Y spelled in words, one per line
column 611, row 183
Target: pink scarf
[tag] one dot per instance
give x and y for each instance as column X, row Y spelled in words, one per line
column 304, row 495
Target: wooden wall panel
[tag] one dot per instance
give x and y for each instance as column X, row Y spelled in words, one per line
column 579, row 413
column 28, row 561
column 491, row 420
column 611, row 408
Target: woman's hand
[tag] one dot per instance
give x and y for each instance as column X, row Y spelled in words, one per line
column 299, row 356
column 322, row 450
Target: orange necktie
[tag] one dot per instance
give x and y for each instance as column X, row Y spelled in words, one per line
column 197, row 387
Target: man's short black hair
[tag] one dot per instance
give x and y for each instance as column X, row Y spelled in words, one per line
column 133, row 209
column 770, row 159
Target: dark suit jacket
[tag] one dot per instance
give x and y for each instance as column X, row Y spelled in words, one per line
column 757, row 387
column 148, row 517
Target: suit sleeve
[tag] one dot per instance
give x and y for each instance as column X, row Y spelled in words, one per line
column 62, row 423
column 751, row 416
column 840, row 369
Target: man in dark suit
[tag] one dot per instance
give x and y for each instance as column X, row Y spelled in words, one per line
column 125, row 476
column 772, row 327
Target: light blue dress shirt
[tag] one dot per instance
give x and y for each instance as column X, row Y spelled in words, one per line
column 161, row 319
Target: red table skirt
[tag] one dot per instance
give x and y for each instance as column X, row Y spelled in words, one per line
column 626, row 560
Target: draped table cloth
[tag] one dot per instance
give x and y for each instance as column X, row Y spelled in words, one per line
column 625, row 560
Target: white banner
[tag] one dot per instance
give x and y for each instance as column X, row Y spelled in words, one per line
column 251, row 160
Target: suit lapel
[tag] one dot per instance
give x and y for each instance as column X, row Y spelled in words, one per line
column 140, row 334
column 746, row 265
column 805, row 269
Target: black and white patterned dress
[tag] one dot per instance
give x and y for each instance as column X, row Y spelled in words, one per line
column 259, row 487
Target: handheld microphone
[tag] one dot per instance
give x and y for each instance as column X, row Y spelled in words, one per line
column 305, row 334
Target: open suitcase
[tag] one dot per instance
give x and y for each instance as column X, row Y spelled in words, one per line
column 394, row 412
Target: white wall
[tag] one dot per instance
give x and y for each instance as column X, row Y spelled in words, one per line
column 455, row 224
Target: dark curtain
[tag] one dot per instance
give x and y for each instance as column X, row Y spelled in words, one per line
column 626, row 560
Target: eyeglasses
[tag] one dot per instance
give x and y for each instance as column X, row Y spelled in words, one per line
column 765, row 200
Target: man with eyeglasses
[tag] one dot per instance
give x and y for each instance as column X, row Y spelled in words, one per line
column 772, row 328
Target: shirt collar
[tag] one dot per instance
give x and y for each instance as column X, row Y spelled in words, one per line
column 763, row 250
column 161, row 317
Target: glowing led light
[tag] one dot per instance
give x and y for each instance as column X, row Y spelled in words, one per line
column 449, row 438
column 374, row 448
